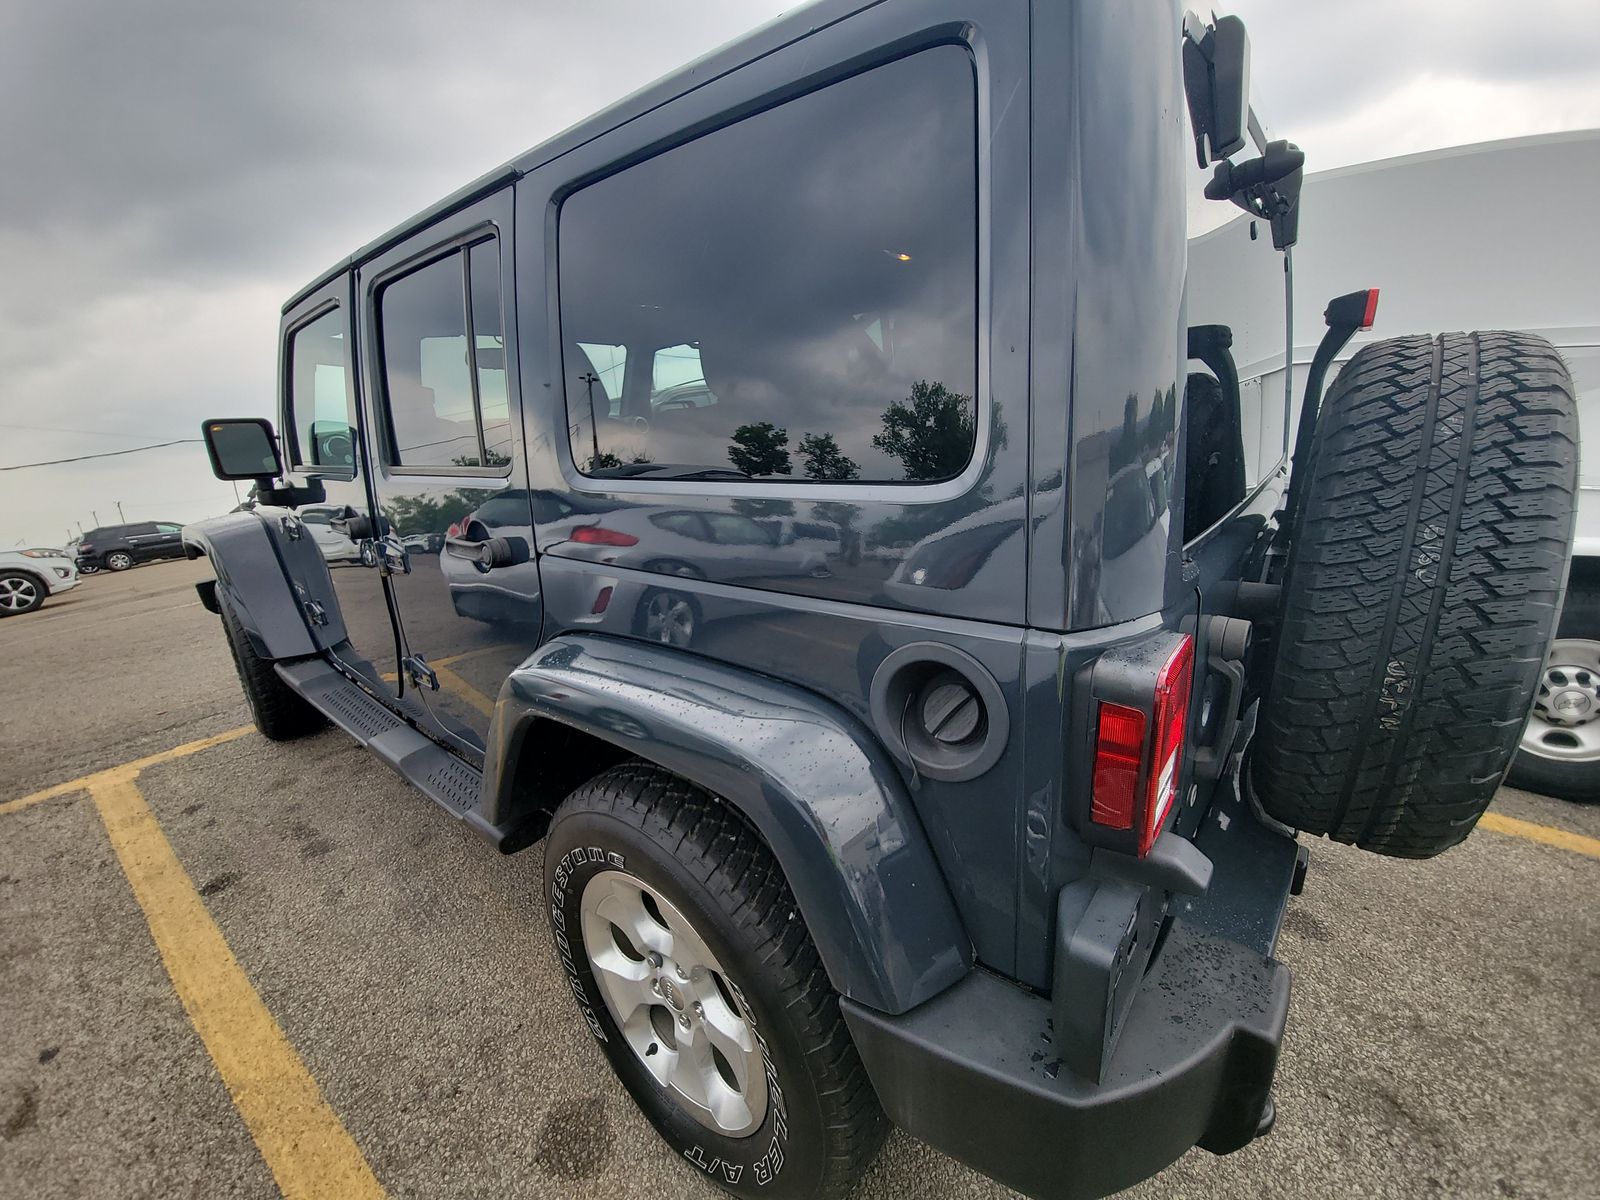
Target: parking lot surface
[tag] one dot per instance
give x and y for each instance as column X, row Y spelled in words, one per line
column 393, row 1020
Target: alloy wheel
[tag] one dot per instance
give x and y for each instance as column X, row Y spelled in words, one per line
column 677, row 1009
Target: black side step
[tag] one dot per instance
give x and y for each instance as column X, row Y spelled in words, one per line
column 433, row 770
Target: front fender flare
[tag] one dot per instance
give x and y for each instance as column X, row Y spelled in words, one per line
column 809, row 776
column 252, row 580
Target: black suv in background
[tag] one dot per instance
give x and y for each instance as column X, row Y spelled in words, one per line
column 118, row 547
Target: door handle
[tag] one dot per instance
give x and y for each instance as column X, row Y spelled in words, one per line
column 487, row 554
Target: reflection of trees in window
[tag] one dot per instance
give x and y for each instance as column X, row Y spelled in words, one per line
column 760, row 448
column 605, row 459
column 930, row 432
column 823, row 459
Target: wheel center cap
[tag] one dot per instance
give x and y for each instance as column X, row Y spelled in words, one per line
column 1570, row 703
column 672, row 995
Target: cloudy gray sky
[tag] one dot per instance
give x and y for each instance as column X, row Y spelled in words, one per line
column 171, row 170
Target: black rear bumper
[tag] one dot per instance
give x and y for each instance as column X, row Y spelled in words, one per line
column 982, row 1072
column 973, row 1073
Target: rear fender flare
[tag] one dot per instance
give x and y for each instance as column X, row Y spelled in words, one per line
column 806, row 774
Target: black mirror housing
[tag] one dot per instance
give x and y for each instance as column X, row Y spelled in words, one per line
column 242, row 448
column 1216, row 80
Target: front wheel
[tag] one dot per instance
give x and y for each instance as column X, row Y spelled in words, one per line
column 19, row 593
column 1560, row 750
column 694, row 971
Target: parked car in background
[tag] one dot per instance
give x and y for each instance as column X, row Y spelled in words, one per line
column 28, row 577
column 118, row 547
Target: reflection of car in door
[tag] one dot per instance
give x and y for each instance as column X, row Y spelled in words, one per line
column 335, row 544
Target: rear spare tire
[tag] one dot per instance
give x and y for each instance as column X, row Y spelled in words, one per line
column 1422, row 587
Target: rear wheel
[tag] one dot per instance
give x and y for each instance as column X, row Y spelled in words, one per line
column 1421, row 589
column 1560, row 751
column 280, row 713
column 119, row 560
column 19, row 593
column 692, row 968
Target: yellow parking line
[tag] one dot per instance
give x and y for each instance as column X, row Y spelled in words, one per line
column 463, row 690
column 84, row 782
column 307, row 1148
column 1547, row 834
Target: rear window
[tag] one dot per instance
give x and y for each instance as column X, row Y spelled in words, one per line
column 792, row 297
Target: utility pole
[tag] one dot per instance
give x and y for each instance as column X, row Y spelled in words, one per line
column 122, row 519
column 589, row 379
column 96, row 517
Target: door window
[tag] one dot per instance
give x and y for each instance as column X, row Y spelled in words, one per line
column 447, row 398
column 319, row 409
column 160, row 528
column 798, row 289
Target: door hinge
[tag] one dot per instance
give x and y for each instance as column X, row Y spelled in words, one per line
column 392, row 556
column 420, row 673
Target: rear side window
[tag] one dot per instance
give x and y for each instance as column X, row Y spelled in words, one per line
column 446, row 392
column 319, row 407
column 792, row 297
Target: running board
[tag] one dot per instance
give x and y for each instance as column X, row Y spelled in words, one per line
column 454, row 785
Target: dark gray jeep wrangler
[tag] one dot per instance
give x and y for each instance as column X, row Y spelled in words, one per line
column 840, row 500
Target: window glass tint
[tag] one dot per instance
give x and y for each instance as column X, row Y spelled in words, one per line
column 801, row 285
column 489, row 342
column 434, row 396
column 168, row 528
column 424, row 322
column 320, row 412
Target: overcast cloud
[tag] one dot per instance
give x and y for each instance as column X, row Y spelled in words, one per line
column 170, row 171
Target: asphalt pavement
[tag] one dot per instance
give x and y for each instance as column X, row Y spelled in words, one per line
column 390, row 971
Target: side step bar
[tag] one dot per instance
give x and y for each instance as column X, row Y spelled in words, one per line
column 455, row 785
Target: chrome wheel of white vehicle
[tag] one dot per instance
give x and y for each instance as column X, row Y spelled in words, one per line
column 19, row 594
column 674, row 1003
column 669, row 619
column 1565, row 725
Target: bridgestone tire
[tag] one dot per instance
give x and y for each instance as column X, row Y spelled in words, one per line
column 822, row 1124
column 1567, row 779
column 279, row 712
column 1421, row 590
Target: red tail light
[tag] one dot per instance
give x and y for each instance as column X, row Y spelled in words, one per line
column 1137, row 760
column 456, row 529
column 594, row 535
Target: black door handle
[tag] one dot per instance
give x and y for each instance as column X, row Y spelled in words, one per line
column 487, row 554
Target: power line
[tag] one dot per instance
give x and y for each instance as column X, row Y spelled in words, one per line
column 55, row 462
column 61, row 429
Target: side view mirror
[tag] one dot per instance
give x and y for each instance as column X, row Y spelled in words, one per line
column 246, row 448
column 1216, row 80
column 242, row 448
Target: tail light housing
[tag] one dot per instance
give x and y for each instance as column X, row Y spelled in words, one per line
column 598, row 535
column 1141, row 719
